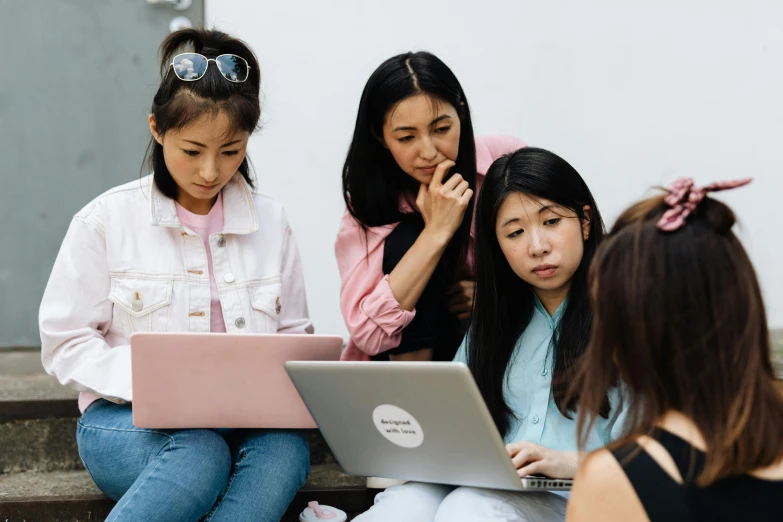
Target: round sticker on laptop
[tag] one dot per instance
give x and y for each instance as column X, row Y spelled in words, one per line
column 398, row 426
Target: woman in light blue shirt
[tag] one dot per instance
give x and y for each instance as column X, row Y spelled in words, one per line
column 537, row 228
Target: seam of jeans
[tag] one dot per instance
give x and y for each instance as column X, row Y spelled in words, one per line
column 86, row 467
column 241, row 454
column 163, row 456
column 124, row 430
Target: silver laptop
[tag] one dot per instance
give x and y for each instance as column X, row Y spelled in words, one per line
column 418, row 421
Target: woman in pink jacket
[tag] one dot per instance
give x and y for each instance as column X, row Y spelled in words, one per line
column 405, row 243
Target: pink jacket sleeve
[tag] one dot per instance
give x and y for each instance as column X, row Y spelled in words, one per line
column 373, row 316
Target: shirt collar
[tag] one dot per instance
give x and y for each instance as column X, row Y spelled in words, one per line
column 554, row 319
column 239, row 209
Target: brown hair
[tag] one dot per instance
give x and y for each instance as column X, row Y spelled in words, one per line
column 680, row 321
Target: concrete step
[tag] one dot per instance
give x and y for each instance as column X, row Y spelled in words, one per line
column 50, row 445
column 71, row 496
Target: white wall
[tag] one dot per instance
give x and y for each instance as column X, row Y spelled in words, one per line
column 631, row 96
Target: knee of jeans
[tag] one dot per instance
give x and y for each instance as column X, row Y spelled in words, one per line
column 208, row 452
column 288, row 451
column 291, row 446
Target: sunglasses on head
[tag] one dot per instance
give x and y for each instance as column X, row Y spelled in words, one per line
column 190, row 67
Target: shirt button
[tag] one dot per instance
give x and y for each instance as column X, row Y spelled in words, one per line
column 222, row 241
column 228, row 278
column 544, row 371
column 240, row 322
column 535, row 419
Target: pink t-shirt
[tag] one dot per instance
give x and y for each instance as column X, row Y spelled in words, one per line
column 205, row 226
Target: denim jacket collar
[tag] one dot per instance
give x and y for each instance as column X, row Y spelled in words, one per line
column 239, row 211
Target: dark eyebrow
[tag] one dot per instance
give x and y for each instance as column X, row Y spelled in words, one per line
column 540, row 211
column 433, row 122
column 224, row 145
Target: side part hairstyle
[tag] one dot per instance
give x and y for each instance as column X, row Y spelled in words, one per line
column 504, row 303
column 680, row 320
column 178, row 103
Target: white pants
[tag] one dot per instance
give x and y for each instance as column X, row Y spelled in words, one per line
column 418, row 502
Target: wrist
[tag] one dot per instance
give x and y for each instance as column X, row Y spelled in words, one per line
column 574, row 459
column 439, row 238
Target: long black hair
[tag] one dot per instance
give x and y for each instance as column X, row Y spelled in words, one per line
column 504, row 303
column 373, row 183
column 178, row 103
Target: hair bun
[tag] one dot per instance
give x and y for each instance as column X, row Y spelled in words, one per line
column 206, row 50
column 718, row 215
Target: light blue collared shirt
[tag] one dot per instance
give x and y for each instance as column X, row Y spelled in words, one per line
column 528, row 391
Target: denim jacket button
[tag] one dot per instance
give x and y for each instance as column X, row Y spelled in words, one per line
column 221, row 241
column 240, row 322
column 228, row 278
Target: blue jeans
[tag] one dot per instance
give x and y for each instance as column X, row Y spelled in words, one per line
column 190, row 475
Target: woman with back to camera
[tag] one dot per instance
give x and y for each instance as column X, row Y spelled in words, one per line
column 681, row 321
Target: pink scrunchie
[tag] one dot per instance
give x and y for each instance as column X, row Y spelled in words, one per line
column 684, row 197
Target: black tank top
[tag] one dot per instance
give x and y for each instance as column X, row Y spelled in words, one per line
column 433, row 326
column 734, row 499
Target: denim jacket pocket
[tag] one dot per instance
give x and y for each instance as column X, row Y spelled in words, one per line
column 265, row 299
column 142, row 305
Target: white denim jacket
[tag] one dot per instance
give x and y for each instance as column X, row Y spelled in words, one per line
column 128, row 265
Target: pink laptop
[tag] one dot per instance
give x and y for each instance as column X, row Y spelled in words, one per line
column 217, row 380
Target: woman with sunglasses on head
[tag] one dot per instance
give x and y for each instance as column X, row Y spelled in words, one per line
column 404, row 248
column 190, row 248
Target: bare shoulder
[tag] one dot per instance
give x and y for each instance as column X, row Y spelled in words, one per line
column 603, row 492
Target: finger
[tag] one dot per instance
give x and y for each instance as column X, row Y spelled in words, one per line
column 454, row 289
column 466, row 197
column 514, row 448
column 459, row 287
column 524, row 457
column 461, row 188
column 465, row 316
column 531, row 469
column 466, row 283
column 453, row 182
column 459, row 297
column 460, row 308
column 440, row 171
column 463, row 297
column 422, row 196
